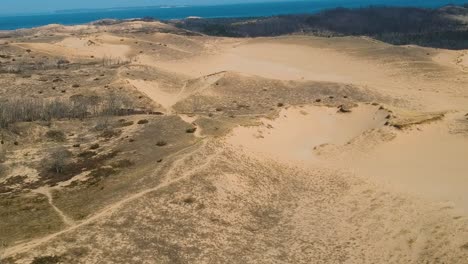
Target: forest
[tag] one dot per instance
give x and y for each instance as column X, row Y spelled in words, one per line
column 445, row 27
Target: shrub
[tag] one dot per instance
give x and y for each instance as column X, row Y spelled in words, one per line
column 343, row 109
column 94, row 146
column 59, row 158
column 87, row 154
column 103, row 171
column 110, row 133
column 124, row 163
column 191, row 130
column 189, row 200
column 56, row 135
column 143, row 121
column 125, row 123
column 46, row 260
column 161, row 143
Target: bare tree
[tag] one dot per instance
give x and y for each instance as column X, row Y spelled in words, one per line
column 59, row 158
column 32, row 109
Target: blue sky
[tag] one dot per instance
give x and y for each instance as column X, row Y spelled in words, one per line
column 39, row 6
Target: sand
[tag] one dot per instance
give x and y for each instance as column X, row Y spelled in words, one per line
column 73, row 47
column 297, row 132
column 273, row 180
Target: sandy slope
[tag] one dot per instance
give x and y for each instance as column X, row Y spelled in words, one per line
column 73, row 47
column 307, row 183
column 403, row 72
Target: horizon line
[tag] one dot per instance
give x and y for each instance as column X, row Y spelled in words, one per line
column 84, row 10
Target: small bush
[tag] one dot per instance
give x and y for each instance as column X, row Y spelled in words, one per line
column 124, row 163
column 143, row 121
column 110, row 133
column 343, row 109
column 189, row 200
column 191, row 130
column 87, row 154
column 94, row 146
column 56, row 135
column 103, row 172
column 161, row 143
column 125, row 123
column 46, row 260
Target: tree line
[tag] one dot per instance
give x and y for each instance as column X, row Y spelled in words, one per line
column 14, row 110
column 395, row 25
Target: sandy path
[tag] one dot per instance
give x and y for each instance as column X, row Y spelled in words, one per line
column 46, row 192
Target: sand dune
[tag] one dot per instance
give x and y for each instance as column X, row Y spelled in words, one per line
column 292, row 149
column 73, row 47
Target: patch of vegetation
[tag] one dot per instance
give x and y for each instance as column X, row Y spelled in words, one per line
column 123, row 163
column 191, row 130
column 142, row 122
column 26, row 217
column 87, row 154
column 56, row 135
column 189, row 200
column 94, row 146
column 161, row 143
column 46, row 260
column 63, row 169
column 110, row 133
column 103, row 172
column 125, row 123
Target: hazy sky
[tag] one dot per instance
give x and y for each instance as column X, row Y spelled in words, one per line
column 34, row 6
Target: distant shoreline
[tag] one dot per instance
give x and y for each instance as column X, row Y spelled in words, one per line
column 85, row 16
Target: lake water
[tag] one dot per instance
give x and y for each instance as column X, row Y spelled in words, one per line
column 237, row 10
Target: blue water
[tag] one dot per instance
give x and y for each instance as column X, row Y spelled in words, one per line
column 237, row 10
